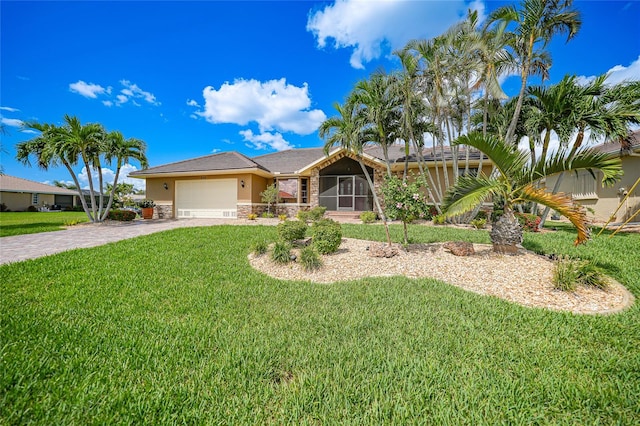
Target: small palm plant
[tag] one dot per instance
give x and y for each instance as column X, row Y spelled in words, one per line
column 514, row 181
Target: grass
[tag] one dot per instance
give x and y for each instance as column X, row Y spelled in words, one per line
column 18, row 223
column 176, row 327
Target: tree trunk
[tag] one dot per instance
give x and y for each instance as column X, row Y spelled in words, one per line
column 376, row 201
column 506, row 233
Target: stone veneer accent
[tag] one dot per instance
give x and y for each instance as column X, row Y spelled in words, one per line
column 163, row 211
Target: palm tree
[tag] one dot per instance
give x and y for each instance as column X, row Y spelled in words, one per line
column 605, row 112
column 378, row 105
column 537, row 21
column 72, row 142
column 122, row 150
column 50, row 149
column 347, row 130
column 514, row 182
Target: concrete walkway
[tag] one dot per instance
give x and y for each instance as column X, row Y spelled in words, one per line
column 31, row 246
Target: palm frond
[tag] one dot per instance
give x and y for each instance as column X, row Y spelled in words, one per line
column 584, row 159
column 561, row 204
column 468, row 192
column 505, row 157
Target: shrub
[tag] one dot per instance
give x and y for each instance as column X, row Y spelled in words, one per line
column 479, row 223
column 71, row 222
column 327, row 236
column 252, row 216
column 482, row 215
column 368, row 217
column 317, row 213
column 569, row 273
column 260, row 247
column 3, row 207
column 145, row 204
column 303, row 215
column 282, row 217
column 439, row 219
column 495, row 214
column 32, row 209
column 528, row 221
column 267, row 215
column 292, row 230
column 121, row 215
column 310, row 259
column 281, row 252
column 565, row 275
column 312, row 215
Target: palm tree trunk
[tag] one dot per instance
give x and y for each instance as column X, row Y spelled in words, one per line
column 77, row 183
column 111, row 194
column 516, row 114
column 376, row 200
column 556, row 187
column 91, row 193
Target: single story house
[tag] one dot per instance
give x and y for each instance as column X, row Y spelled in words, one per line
column 17, row 194
column 601, row 203
column 228, row 184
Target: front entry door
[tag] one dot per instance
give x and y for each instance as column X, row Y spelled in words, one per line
column 345, row 193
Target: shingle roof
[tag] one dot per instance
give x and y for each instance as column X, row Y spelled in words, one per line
column 223, row 161
column 396, row 153
column 16, row 184
column 289, row 161
column 631, row 144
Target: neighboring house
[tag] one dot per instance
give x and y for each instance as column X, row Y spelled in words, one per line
column 228, row 184
column 601, row 203
column 18, row 194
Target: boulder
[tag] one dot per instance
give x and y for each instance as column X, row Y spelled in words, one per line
column 460, row 248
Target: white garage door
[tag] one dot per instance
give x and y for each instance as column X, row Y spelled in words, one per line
column 207, row 198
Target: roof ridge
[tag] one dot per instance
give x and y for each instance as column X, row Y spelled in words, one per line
column 33, row 181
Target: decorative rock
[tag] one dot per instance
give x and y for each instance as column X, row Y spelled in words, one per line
column 460, row 248
column 382, row 250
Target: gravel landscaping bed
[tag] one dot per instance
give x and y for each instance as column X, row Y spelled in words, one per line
column 525, row 278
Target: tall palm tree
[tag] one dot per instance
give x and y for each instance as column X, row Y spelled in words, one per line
column 514, row 182
column 50, row 149
column 122, row 150
column 604, row 111
column 347, row 130
column 378, row 105
column 536, row 22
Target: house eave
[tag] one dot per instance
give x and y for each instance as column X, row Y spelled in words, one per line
column 255, row 171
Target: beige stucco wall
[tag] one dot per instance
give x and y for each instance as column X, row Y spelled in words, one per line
column 20, row 201
column 607, row 199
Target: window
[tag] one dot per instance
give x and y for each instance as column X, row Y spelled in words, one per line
column 34, row 199
column 584, row 186
column 288, row 190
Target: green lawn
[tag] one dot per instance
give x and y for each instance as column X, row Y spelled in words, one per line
column 17, row 223
column 176, row 327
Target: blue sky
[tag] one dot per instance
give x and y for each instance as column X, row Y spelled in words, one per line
column 194, row 78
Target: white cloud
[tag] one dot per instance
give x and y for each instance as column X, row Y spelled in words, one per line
column 11, row 122
column 618, row 74
column 274, row 105
column 193, row 103
column 108, row 175
column 265, row 141
column 132, row 90
column 88, row 90
column 9, row 109
column 369, row 27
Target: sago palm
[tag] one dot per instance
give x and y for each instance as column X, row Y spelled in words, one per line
column 514, row 182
